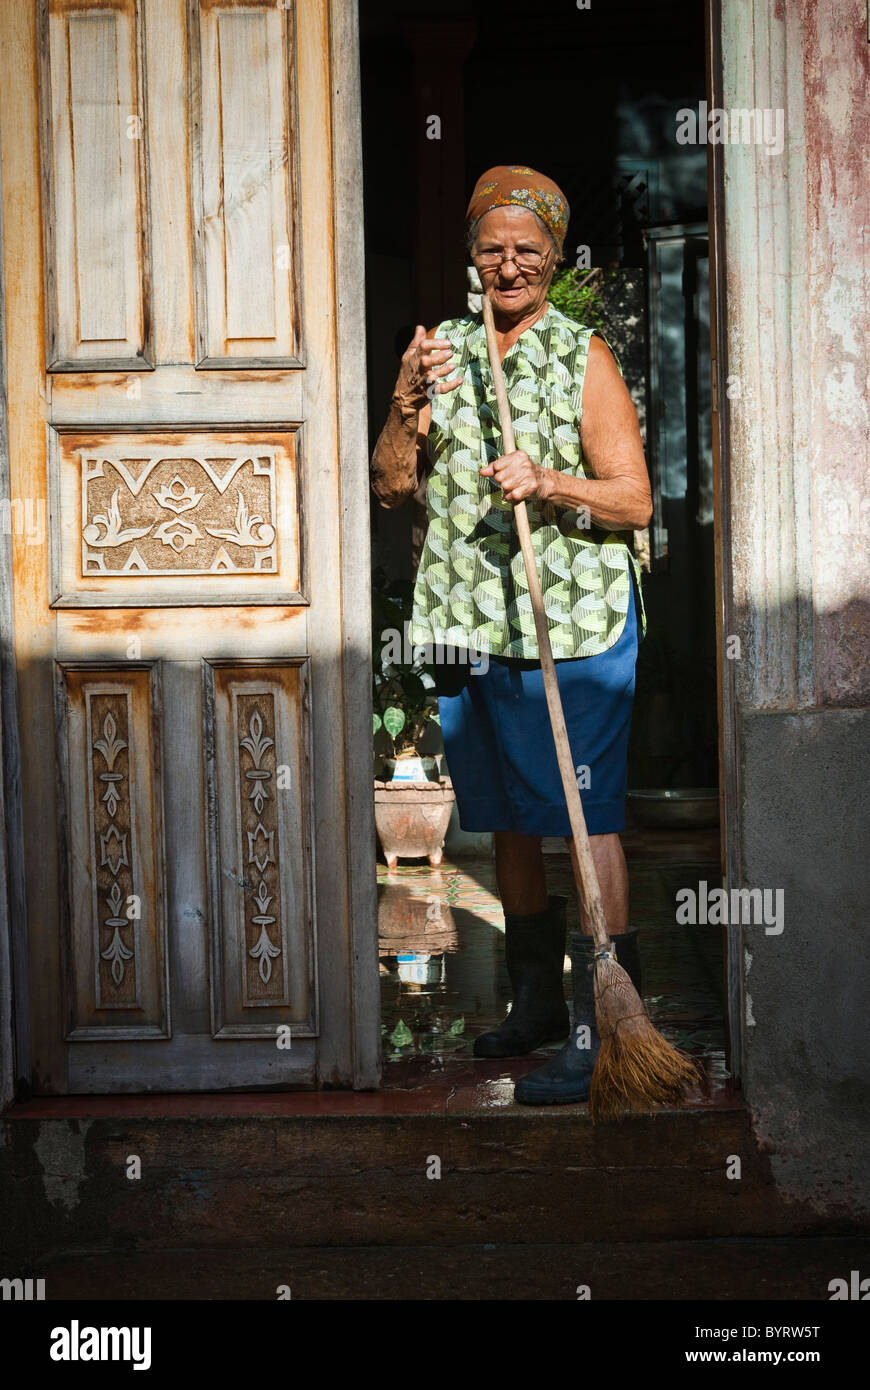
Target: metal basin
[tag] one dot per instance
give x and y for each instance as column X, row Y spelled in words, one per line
column 681, row 808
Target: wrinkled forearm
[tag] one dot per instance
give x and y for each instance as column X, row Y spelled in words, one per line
column 617, row 503
column 394, row 461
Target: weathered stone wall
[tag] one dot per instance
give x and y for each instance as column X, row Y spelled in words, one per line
column 797, row 494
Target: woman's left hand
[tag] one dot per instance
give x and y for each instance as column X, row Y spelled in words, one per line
column 517, row 476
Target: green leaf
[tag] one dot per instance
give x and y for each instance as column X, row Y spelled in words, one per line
column 394, row 721
column 457, row 1028
column 401, row 1034
column 377, row 722
column 576, row 294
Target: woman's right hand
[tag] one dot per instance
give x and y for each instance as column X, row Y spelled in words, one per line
column 426, row 363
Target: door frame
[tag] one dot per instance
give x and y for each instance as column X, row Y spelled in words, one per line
column 356, row 618
column 14, row 1026
column 726, row 619
column 354, row 484
column 354, row 755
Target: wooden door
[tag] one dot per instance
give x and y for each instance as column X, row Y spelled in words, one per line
column 191, row 610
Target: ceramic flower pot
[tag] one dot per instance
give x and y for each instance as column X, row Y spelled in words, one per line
column 412, row 819
column 415, row 769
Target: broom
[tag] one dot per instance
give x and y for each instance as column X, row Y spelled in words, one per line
column 636, row 1068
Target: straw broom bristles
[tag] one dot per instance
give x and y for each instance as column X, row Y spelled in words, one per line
column 636, row 1068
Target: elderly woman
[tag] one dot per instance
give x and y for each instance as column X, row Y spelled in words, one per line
column 580, row 468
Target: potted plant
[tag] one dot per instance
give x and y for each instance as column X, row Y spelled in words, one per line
column 412, row 800
column 404, row 708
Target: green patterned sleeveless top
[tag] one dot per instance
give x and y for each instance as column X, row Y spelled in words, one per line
column 471, row 588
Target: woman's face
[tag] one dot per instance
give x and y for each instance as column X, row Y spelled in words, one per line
column 515, row 293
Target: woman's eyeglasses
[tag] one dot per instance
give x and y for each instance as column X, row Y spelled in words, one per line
column 529, row 262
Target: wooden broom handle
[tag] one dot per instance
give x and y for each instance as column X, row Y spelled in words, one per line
column 585, row 876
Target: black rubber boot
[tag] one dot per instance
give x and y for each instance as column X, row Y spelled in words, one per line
column 534, row 954
column 566, row 1078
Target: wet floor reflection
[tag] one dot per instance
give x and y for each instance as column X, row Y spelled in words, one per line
column 443, row 976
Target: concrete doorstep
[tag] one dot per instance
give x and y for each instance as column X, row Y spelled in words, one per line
column 737, row 1269
column 365, row 1194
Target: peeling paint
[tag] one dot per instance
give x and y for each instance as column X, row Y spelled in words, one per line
column 843, row 402
column 60, row 1149
column 747, row 997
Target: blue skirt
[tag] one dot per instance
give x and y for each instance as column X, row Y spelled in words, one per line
column 499, row 745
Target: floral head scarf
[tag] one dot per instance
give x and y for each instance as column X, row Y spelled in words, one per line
column 508, row 184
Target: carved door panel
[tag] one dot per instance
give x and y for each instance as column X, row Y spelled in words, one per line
column 169, row 186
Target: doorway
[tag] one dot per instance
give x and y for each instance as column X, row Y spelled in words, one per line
column 640, row 236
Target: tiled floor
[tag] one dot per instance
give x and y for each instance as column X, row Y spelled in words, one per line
column 450, row 921
column 448, row 924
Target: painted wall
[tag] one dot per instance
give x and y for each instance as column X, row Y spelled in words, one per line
column 797, row 232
